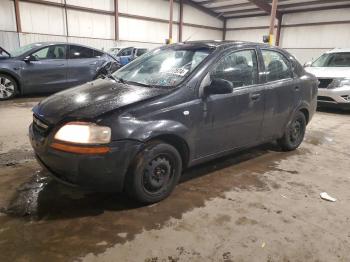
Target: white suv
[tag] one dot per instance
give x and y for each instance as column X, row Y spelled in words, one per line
column 333, row 72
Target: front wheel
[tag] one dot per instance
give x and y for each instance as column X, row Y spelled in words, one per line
column 8, row 87
column 294, row 133
column 154, row 173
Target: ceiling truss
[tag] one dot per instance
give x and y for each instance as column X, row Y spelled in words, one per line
column 250, row 8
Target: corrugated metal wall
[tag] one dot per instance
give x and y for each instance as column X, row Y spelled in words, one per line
column 48, row 23
column 305, row 41
column 309, row 42
column 243, row 28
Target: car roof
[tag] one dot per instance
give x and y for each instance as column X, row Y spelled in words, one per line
column 224, row 43
column 63, row 43
column 340, row 50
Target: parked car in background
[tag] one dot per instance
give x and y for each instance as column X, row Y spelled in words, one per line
column 333, row 72
column 113, row 51
column 50, row 67
column 126, row 55
column 174, row 107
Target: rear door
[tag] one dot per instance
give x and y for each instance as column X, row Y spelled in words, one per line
column 233, row 120
column 282, row 92
column 83, row 64
column 49, row 73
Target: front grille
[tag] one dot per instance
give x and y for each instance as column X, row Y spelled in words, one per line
column 325, row 98
column 324, row 82
column 40, row 125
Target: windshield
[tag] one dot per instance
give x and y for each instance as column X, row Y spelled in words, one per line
column 140, row 52
column 114, row 50
column 163, row 67
column 333, row 60
column 23, row 49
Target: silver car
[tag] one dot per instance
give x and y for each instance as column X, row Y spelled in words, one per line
column 333, row 72
column 50, row 67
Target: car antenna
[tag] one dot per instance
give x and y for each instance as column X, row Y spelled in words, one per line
column 220, row 14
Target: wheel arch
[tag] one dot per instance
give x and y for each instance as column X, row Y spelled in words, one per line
column 306, row 114
column 15, row 77
column 176, row 141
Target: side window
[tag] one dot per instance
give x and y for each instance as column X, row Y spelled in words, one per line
column 78, row 52
column 97, row 53
column 276, row 65
column 51, row 52
column 240, row 68
column 126, row 52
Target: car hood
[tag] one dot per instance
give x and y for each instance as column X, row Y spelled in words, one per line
column 6, row 58
column 329, row 72
column 93, row 99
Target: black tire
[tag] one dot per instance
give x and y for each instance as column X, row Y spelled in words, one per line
column 8, row 87
column 294, row 133
column 154, row 173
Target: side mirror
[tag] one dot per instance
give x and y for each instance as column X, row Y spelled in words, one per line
column 30, row 58
column 218, row 86
column 307, row 64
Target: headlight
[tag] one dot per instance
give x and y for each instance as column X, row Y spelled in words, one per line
column 84, row 133
column 339, row 82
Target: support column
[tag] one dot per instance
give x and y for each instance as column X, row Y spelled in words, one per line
column 272, row 21
column 224, row 30
column 279, row 28
column 18, row 17
column 181, row 22
column 170, row 40
column 66, row 15
column 116, row 20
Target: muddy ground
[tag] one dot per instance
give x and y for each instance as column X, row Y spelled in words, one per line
column 258, row 205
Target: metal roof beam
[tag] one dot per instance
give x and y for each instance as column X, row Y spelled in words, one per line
column 204, row 9
column 266, row 7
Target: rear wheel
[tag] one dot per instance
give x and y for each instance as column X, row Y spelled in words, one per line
column 8, row 87
column 154, row 173
column 294, row 133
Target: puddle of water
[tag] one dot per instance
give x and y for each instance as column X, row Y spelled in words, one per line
column 25, row 202
column 65, row 223
column 317, row 138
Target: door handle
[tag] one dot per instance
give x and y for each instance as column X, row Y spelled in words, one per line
column 61, row 65
column 255, row 97
column 296, row 88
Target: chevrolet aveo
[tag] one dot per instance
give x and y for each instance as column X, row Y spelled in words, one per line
column 174, row 107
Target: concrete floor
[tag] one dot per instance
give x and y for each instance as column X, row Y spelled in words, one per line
column 258, row 205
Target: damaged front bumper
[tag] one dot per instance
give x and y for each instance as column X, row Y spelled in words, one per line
column 101, row 172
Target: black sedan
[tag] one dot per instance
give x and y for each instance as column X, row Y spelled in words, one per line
column 50, row 67
column 174, row 107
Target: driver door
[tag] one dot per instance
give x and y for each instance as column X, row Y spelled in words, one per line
column 48, row 73
column 232, row 120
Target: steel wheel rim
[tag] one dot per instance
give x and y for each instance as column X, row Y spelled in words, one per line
column 296, row 130
column 7, row 87
column 158, row 174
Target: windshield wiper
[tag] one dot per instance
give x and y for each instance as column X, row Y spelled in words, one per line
column 139, row 84
column 121, row 80
column 117, row 79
